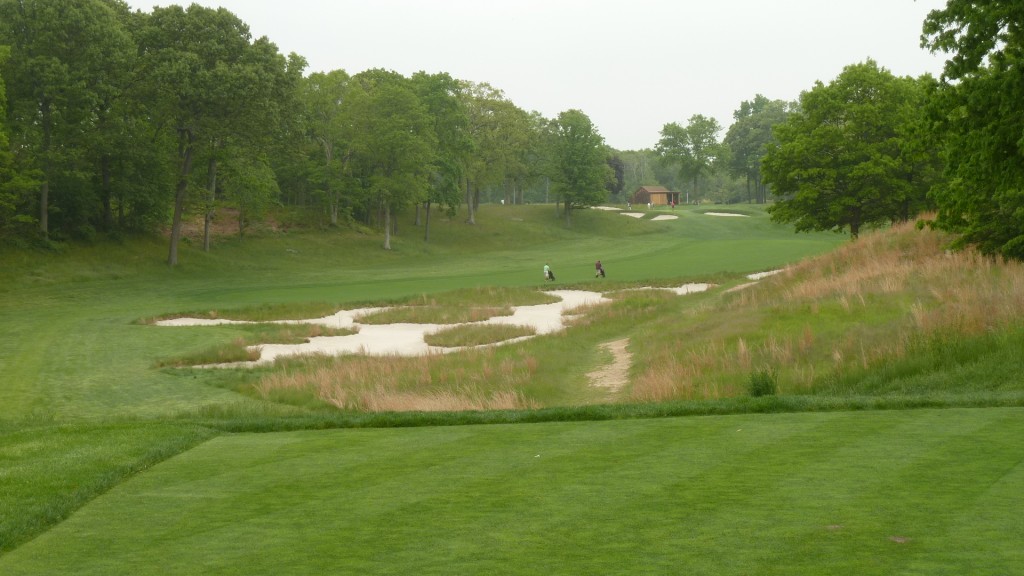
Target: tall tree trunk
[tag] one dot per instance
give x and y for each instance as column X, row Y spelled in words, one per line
column 426, row 219
column 184, row 170
column 106, row 193
column 211, row 187
column 44, row 211
column 387, row 226
column 44, row 188
column 471, row 219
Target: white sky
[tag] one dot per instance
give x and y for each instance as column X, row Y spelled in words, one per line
column 632, row 66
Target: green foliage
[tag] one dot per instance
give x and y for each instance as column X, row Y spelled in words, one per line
column 580, row 172
column 979, row 111
column 748, row 138
column 67, row 66
column 693, row 149
column 848, row 157
column 763, row 382
column 393, row 141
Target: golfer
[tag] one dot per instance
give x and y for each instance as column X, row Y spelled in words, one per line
column 598, row 269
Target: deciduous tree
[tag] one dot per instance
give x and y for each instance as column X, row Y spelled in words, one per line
column 694, row 149
column 748, row 137
column 842, row 160
column 208, row 82
column 64, row 60
column 393, row 141
column 981, row 110
column 580, row 172
column 439, row 93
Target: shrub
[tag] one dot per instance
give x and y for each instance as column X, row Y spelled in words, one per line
column 763, row 382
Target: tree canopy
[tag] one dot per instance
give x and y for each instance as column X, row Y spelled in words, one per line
column 980, row 108
column 748, row 138
column 118, row 121
column 580, row 171
column 694, row 149
column 841, row 160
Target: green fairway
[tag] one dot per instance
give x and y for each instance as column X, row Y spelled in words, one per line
column 918, row 492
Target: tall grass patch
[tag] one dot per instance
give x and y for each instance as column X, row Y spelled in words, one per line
column 874, row 306
column 484, row 379
column 477, row 335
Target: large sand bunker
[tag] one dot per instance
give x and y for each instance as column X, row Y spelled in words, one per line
column 406, row 339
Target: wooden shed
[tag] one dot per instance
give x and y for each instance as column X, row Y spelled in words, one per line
column 656, row 195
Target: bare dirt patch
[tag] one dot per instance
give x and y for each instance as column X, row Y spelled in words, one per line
column 615, row 375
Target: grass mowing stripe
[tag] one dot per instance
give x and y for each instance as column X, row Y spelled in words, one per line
column 766, row 494
column 46, row 473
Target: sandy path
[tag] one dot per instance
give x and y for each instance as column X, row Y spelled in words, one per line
column 615, row 375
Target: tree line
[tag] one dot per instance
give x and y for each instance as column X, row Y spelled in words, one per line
column 118, row 121
column 114, row 121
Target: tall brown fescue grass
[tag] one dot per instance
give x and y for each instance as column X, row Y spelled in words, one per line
column 470, row 380
column 872, row 301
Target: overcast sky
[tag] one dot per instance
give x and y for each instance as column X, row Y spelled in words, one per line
column 631, row 66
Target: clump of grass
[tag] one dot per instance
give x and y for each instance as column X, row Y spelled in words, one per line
column 477, row 335
column 234, row 351
column 486, row 296
column 435, row 314
column 763, row 382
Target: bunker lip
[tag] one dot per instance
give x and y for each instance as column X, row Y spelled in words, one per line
column 405, row 339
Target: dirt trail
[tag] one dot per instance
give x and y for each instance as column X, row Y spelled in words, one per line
column 615, row 375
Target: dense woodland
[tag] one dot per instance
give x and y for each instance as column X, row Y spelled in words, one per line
column 117, row 122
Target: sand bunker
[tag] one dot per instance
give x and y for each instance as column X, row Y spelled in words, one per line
column 726, row 214
column 666, row 217
column 606, row 208
column 759, row 275
column 408, row 339
column 755, row 277
column 633, row 214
